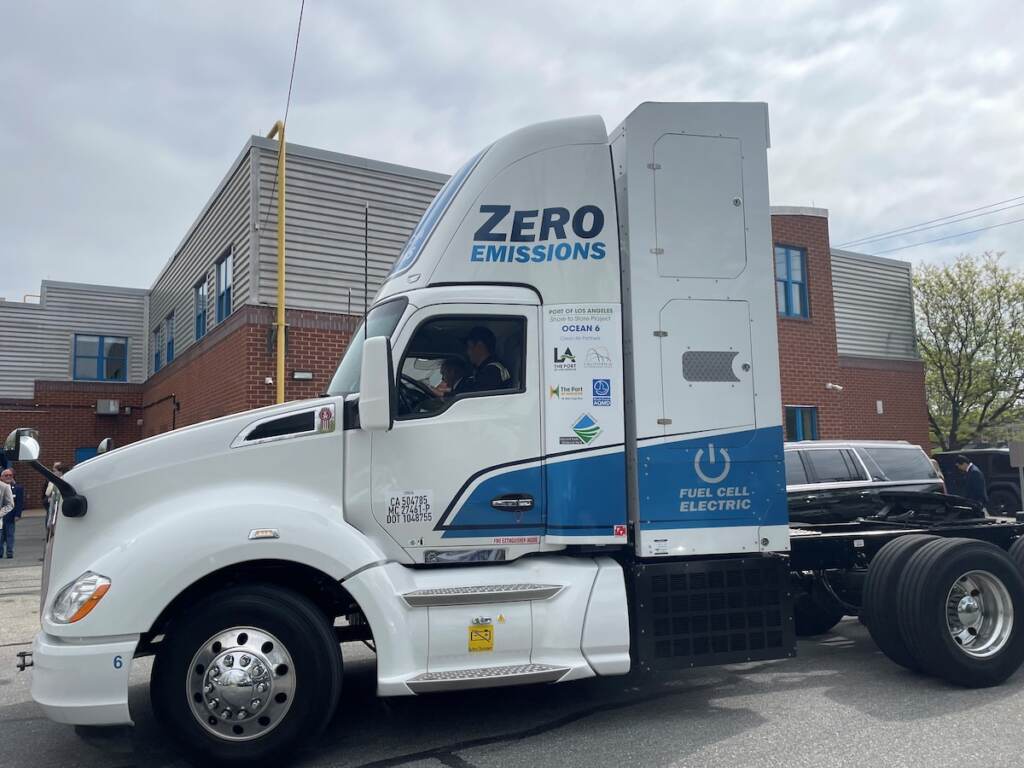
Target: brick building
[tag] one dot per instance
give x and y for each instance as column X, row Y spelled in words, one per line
column 90, row 361
column 847, row 353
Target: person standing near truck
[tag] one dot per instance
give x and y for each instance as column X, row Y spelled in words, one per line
column 975, row 487
column 11, row 502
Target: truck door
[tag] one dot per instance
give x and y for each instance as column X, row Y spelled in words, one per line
column 460, row 477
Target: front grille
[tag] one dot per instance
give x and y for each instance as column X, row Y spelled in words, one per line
column 702, row 612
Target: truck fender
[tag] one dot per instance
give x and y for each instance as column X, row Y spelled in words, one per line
column 150, row 565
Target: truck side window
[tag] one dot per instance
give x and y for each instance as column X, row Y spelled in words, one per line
column 453, row 357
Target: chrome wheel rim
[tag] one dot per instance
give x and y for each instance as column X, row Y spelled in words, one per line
column 979, row 614
column 241, row 683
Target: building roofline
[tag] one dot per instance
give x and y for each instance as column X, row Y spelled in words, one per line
column 93, row 286
column 798, row 210
column 354, row 160
column 869, row 258
column 204, row 210
column 301, row 151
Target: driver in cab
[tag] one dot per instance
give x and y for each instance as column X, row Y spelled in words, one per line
column 488, row 371
column 453, row 378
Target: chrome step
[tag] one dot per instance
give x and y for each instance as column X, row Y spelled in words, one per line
column 486, row 677
column 484, row 593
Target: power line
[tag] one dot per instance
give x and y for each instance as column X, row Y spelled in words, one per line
column 287, row 106
column 903, row 230
column 950, row 237
column 922, row 228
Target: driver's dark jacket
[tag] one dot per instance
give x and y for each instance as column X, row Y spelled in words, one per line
column 490, row 374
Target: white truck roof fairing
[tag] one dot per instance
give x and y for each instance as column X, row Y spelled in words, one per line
column 537, row 207
column 704, row 412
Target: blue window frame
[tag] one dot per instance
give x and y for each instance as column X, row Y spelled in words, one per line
column 81, row 454
column 224, row 274
column 199, row 296
column 791, row 281
column 169, row 337
column 100, row 358
column 801, row 422
column 156, row 350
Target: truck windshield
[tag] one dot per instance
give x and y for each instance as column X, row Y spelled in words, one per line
column 430, row 217
column 381, row 321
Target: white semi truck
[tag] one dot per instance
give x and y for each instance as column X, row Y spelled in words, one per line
column 554, row 451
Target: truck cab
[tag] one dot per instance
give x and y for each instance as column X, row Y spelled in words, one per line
column 552, row 451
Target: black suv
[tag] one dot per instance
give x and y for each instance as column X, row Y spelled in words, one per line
column 1002, row 480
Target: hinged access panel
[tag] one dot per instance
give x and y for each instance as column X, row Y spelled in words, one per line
column 699, row 206
column 707, row 380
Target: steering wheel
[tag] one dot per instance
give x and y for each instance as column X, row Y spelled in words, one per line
column 412, row 394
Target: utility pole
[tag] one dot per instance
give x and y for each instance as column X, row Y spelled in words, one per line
column 280, row 325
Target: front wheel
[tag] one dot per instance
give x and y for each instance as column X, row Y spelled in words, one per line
column 247, row 676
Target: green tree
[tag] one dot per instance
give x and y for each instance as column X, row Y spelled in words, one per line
column 970, row 318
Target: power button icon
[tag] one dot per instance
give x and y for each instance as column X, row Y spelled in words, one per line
column 718, row 464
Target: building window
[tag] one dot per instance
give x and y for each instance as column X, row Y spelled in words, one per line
column 82, row 454
column 224, row 272
column 100, row 358
column 801, row 422
column 199, row 294
column 169, row 337
column 156, row 350
column 791, row 281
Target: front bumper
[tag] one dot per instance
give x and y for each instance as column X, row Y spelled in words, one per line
column 83, row 682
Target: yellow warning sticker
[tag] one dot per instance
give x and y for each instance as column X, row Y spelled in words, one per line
column 481, row 637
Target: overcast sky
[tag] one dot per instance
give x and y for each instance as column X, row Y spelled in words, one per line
column 117, row 120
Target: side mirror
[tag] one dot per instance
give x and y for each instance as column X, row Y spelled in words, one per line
column 377, row 386
column 106, row 444
column 22, row 445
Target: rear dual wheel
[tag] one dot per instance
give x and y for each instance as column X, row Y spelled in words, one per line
column 953, row 608
column 880, row 609
column 815, row 612
column 961, row 605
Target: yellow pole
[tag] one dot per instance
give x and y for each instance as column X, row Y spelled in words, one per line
column 278, row 130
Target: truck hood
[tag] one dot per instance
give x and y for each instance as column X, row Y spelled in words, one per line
column 170, row 452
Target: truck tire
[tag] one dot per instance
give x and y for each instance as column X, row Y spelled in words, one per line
column 814, row 611
column 1003, row 502
column 878, row 605
column 247, row 676
column 1016, row 553
column 958, row 602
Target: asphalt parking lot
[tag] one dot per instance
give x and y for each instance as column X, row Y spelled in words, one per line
column 839, row 703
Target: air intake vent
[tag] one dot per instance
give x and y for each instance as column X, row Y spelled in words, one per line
column 709, row 366
column 292, row 424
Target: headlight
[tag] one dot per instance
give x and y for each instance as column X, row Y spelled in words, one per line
column 74, row 601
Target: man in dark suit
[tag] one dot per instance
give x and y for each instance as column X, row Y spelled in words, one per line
column 975, row 487
column 18, row 493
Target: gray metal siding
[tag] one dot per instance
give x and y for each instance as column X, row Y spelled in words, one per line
column 223, row 224
column 36, row 339
column 874, row 306
column 325, row 197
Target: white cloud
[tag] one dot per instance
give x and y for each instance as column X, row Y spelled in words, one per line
column 120, row 119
